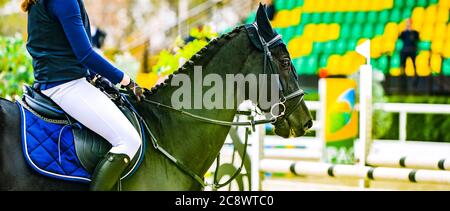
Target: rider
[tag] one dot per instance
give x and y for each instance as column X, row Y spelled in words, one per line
column 59, row 40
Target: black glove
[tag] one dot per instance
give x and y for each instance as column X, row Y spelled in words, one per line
column 134, row 88
column 105, row 85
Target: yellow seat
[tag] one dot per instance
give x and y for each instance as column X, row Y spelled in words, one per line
column 422, row 64
column 299, row 46
column 321, row 33
column 387, row 4
column 294, row 16
column 418, row 17
column 364, row 5
column 334, row 31
column 308, row 6
column 310, row 31
column 442, row 16
column 439, row 31
column 281, row 19
column 436, row 63
column 430, row 14
column 391, row 30
column 427, row 32
column 444, row 4
column 376, row 47
column 333, row 65
column 395, row 72
column 409, row 69
column 437, row 46
column 388, row 44
column 446, row 51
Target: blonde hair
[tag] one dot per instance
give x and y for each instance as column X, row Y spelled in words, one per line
column 26, row 4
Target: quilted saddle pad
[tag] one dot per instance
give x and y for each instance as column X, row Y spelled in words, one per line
column 69, row 152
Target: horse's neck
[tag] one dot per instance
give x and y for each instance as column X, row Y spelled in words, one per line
column 189, row 140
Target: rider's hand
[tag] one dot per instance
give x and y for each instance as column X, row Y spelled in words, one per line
column 134, row 88
column 105, row 85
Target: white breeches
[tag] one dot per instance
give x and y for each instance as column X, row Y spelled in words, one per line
column 96, row 111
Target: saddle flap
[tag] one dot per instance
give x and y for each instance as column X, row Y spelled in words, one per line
column 91, row 148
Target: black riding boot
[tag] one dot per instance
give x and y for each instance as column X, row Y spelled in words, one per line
column 108, row 171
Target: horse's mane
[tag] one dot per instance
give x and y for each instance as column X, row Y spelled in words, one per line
column 210, row 47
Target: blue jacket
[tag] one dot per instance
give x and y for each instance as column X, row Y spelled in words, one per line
column 59, row 40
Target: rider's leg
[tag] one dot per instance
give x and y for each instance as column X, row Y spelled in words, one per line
column 96, row 111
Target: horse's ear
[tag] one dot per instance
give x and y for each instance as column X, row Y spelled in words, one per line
column 265, row 28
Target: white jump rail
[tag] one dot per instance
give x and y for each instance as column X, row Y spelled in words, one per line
column 355, row 172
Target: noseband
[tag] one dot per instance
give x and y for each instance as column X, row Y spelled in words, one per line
column 260, row 43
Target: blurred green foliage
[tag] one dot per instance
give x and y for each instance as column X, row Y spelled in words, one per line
column 422, row 127
column 15, row 66
column 169, row 62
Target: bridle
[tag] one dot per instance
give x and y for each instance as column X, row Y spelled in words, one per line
column 261, row 44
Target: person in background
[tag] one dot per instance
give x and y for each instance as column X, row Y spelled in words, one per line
column 98, row 37
column 60, row 43
column 410, row 38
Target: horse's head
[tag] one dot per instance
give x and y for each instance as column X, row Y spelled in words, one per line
column 294, row 116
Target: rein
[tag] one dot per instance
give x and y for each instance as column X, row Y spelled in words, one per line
column 251, row 123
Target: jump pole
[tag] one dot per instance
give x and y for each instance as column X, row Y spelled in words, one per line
column 365, row 114
column 442, row 164
column 355, row 172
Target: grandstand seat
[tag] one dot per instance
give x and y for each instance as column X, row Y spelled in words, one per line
column 436, row 64
column 446, row 67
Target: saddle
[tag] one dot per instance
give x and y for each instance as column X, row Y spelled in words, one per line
column 58, row 152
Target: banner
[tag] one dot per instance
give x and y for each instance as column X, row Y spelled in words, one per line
column 341, row 120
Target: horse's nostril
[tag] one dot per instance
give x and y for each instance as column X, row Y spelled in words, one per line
column 308, row 125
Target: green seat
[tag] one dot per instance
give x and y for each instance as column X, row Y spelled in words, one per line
column 399, row 3
column 383, row 17
column 422, row 3
column 316, row 18
column 306, row 18
column 395, row 60
column 290, row 33
column 360, row 17
column 299, row 30
column 372, row 17
column 383, row 64
column 349, row 17
column 446, row 67
column 312, row 64
column 433, row 2
column 352, row 43
column 424, row 46
column 318, row 47
column 407, row 13
column 299, row 3
column 379, row 29
column 323, row 60
column 398, row 45
column 251, row 18
column 291, row 4
column 410, row 3
column 299, row 65
column 330, row 47
column 356, row 31
column 368, row 31
column 328, row 18
column 395, row 16
column 280, row 5
column 345, row 30
column 341, row 46
column 339, row 17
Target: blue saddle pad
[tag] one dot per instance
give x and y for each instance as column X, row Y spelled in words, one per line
column 49, row 148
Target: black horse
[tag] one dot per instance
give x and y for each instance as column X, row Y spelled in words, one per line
column 194, row 143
